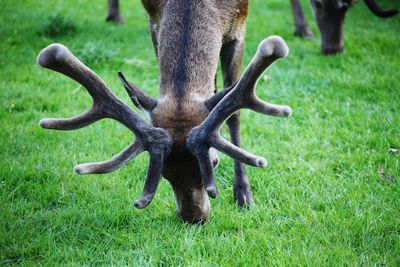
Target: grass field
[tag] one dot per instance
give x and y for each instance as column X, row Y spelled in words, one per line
column 330, row 195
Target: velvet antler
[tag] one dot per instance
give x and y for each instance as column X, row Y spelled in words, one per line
column 241, row 96
column 106, row 105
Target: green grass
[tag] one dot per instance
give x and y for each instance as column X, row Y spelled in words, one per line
column 319, row 202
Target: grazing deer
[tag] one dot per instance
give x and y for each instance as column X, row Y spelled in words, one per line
column 188, row 36
column 330, row 15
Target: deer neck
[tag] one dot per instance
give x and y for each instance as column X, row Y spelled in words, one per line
column 188, row 51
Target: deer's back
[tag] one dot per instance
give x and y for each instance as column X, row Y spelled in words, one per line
column 189, row 35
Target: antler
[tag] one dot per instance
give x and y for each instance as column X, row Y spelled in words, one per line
column 241, row 96
column 378, row 11
column 139, row 98
column 106, row 105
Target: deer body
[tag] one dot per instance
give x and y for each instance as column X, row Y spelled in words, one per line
column 189, row 36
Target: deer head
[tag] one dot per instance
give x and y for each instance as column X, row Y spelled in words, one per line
column 185, row 119
column 330, row 15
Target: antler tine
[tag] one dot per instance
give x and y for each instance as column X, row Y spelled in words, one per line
column 139, row 98
column 207, row 135
column 76, row 122
column 105, row 105
column 152, row 180
column 228, row 148
column 112, row 164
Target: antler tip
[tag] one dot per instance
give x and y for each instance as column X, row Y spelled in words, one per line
column 50, row 54
column 212, row 191
column 287, row 111
column 42, row 123
column 141, row 203
column 122, row 78
column 273, row 46
column 261, row 162
column 46, row 123
column 82, row 169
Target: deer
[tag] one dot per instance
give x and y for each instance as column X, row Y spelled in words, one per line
column 329, row 16
column 183, row 135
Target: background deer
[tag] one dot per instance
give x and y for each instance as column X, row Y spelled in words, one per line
column 330, row 15
column 189, row 37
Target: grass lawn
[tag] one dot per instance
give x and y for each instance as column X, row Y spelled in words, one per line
column 329, row 196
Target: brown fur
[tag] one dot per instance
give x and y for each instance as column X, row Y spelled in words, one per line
column 188, row 36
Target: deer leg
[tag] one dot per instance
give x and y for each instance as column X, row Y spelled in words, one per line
column 300, row 22
column 241, row 185
column 113, row 12
column 231, row 61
